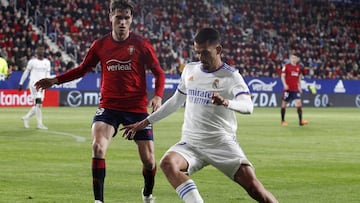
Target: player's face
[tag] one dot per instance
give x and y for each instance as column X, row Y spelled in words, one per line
column 294, row 59
column 40, row 52
column 209, row 55
column 121, row 20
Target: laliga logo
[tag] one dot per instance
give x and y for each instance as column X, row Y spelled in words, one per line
column 258, row 85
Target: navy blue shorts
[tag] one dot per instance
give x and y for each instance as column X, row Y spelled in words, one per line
column 115, row 118
column 291, row 95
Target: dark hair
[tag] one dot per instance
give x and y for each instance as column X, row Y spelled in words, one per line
column 121, row 4
column 208, row 35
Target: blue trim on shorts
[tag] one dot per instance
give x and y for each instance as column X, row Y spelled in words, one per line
column 115, row 118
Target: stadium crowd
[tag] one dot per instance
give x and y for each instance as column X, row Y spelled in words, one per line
column 258, row 35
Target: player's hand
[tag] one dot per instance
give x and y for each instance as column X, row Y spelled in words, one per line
column 286, row 87
column 218, row 100
column 20, row 88
column 45, row 83
column 130, row 130
column 155, row 103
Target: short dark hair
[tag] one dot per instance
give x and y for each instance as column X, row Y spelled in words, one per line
column 121, row 4
column 210, row 35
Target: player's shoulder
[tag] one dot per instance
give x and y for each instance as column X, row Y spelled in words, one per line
column 138, row 38
column 192, row 66
column 102, row 40
column 227, row 68
column 33, row 59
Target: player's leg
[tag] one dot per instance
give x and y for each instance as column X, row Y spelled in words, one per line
column 29, row 114
column 145, row 144
column 298, row 104
column 245, row 176
column 32, row 110
column 38, row 113
column 283, row 111
column 39, row 97
column 147, row 156
column 174, row 166
column 284, row 102
column 103, row 129
column 102, row 134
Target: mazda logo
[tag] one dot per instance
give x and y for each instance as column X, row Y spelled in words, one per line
column 357, row 100
column 74, row 98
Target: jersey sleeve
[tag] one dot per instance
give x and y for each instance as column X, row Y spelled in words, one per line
column 153, row 64
column 26, row 72
column 242, row 101
column 90, row 61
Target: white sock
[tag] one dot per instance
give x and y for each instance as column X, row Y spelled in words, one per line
column 38, row 114
column 30, row 113
column 188, row 192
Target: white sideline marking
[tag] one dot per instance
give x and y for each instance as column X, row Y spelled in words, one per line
column 78, row 138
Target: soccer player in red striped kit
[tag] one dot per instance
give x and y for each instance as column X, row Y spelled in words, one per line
column 124, row 57
column 291, row 78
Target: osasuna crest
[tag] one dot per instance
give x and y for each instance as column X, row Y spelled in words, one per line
column 131, row 50
column 215, row 84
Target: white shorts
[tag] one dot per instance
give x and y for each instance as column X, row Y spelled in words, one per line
column 37, row 94
column 225, row 157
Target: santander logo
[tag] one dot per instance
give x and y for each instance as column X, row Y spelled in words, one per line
column 10, row 98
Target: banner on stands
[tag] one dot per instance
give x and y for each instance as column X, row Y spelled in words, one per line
column 266, row 92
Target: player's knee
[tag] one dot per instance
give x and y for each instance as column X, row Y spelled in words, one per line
column 98, row 150
column 166, row 164
column 148, row 161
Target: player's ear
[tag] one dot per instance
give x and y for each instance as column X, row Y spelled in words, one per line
column 110, row 16
column 218, row 49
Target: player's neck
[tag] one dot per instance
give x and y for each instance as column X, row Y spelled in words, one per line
column 120, row 36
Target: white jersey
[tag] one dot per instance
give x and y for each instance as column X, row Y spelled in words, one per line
column 38, row 69
column 205, row 123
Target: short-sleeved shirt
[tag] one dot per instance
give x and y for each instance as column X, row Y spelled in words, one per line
column 292, row 76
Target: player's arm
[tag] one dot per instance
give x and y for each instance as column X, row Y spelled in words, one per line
column 24, row 75
column 242, row 102
column 159, row 76
column 283, row 80
column 170, row 106
column 46, row 83
column 91, row 59
column 158, row 73
column 299, row 82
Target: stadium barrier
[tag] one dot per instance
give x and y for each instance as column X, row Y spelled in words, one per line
column 266, row 92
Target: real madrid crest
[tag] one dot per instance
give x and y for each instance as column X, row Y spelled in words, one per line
column 215, row 84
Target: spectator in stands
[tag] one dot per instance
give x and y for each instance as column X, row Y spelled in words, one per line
column 4, row 68
column 274, row 28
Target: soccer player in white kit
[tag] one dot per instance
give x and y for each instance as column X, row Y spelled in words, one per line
column 213, row 92
column 38, row 67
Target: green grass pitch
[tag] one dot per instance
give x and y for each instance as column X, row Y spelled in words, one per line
column 317, row 163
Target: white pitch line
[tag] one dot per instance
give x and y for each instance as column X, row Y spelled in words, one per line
column 78, row 138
